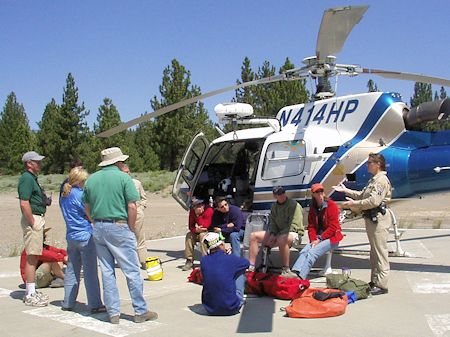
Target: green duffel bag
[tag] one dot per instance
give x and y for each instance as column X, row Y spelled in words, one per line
column 345, row 283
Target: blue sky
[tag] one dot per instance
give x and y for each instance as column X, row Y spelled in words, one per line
column 118, row 49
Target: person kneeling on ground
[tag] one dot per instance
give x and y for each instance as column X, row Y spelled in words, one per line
column 285, row 229
column 324, row 231
column 49, row 272
column 223, row 278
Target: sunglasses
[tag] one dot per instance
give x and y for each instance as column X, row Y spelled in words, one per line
column 371, row 162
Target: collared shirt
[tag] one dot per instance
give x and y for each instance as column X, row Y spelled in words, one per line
column 377, row 190
column 29, row 189
column 108, row 192
column 72, row 208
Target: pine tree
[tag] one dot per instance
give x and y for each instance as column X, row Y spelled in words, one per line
column 16, row 137
column 371, row 86
column 422, row 93
column 107, row 118
column 247, row 94
column 442, row 93
column 176, row 129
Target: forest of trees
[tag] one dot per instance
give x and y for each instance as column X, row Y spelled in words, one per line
column 158, row 144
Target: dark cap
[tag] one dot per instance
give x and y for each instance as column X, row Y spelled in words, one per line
column 195, row 201
column 278, row 190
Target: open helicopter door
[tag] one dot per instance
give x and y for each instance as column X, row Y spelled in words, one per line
column 189, row 170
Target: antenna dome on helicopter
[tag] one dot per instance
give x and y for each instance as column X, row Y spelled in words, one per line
column 226, row 111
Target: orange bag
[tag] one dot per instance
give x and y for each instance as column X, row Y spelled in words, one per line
column 306, row 306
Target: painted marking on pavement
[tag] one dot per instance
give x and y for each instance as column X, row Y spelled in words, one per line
column 7, row 275
column 429, row 283
column 84, row 321
column 4, row 292
column 439, row 324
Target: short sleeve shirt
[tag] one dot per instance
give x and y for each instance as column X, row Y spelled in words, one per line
column 29, row 189
column 108, row 192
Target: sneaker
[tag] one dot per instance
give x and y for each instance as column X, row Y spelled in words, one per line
column 34, row 300
column 57, row 283
column 251, row 268
column 42, row 295
column 188, row 265
column 114, row 319
column 148, row 316
column 288, row 273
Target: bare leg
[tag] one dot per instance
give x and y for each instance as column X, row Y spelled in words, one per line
column 255, row 239
column 284, row 242
column 30, row 268
column 57, row 269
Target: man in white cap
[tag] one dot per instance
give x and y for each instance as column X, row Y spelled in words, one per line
column 223, row 278
column 33, row 206
column 110, row 198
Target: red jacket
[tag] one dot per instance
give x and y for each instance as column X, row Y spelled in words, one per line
column 49, row 254
column 330, row 223
column 203, row 220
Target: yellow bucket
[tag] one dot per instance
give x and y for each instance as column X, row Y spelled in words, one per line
column 154, row 268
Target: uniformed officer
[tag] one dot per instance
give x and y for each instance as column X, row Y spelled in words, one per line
column 370, row 201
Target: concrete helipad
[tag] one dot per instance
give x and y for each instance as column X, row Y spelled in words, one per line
column 418, row 303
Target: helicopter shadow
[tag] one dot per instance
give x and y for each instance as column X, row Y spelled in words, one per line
column 257, row 315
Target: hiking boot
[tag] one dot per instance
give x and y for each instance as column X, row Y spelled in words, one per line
column 188, row 265
column 378, row 291
column 98, row 310
column 114, row 319
column 57, row 283
column 148, row 316
column 288, row 273
column 34, row 300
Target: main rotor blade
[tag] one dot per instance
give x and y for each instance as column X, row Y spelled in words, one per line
column 337, row 23
column 181, row 104
column 408, row 76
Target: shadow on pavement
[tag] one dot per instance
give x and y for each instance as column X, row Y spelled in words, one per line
column 257, row 315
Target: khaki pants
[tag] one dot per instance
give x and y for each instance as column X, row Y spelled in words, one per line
column 140, row 237
column 33, row 239
column 379, row 261
column 191, row 240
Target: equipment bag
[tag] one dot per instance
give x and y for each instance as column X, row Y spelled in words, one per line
column 196, row 276
column 342, row 282
column 306, row 306
column 154, row 268
column 274, row 285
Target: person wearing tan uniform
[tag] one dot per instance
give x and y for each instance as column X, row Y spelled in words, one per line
column 368, row 201
column 139, row 226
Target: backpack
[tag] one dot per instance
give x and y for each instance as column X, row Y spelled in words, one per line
column 274, row 285
column 342, row 282
column 306, row 306
column 154, row 268
column 196, row 276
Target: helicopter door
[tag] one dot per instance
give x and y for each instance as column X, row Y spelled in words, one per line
column 189, row 170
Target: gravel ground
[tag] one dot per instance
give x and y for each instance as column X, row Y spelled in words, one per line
column 165, row 218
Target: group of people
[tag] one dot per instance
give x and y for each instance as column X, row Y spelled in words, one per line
column 212, row 228
column 104, row 217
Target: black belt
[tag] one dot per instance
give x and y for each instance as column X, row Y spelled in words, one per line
column 120, row 221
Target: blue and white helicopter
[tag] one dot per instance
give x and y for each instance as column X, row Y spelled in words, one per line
column 327, row 140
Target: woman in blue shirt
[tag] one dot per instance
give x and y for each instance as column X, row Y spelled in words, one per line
column 80, row 245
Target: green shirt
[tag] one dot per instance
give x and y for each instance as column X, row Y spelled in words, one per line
column 30, row 190
column 286, row 217
column 108, row 192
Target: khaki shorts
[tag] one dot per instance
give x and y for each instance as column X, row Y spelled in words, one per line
column 33, row 239
column 296, row 239
column 43, row 277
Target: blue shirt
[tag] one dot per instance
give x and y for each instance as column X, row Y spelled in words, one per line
column 234, row 215
column 72, row 208
column 220, row 272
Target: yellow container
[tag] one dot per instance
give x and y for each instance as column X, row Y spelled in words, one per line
column 154, row 268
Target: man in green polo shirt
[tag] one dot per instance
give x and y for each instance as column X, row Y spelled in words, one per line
column 33, row 206
column 110, row 198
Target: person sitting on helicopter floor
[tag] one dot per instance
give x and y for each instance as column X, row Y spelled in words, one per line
column 229, row 220
column 200, row 217
column 324, row 231
column 285, row 228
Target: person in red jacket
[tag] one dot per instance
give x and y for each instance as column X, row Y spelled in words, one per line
column 324, row 231
column 49, row 267
column 200, row 219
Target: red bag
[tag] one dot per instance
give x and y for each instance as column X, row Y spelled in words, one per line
column 306, row 306
column 196, row 276
column 274, row 285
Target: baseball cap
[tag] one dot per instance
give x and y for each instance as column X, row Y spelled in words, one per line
column 278, row 190
column 196, row 201
column 32, row 155
column 212, row 240
column 317, row 187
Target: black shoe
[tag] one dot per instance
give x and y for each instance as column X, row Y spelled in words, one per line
column 378, row 291
column 371, row 284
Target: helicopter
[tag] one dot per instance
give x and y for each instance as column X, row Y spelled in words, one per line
column 327, row 140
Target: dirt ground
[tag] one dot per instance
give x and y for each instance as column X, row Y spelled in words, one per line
column 165, row 218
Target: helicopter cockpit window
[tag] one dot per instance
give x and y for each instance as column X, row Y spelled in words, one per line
column 284, row 159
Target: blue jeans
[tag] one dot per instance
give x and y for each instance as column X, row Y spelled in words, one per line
column 240, row 287
column 117, row 242
column 309, row 255
column 81, row 253
column 235, row 239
